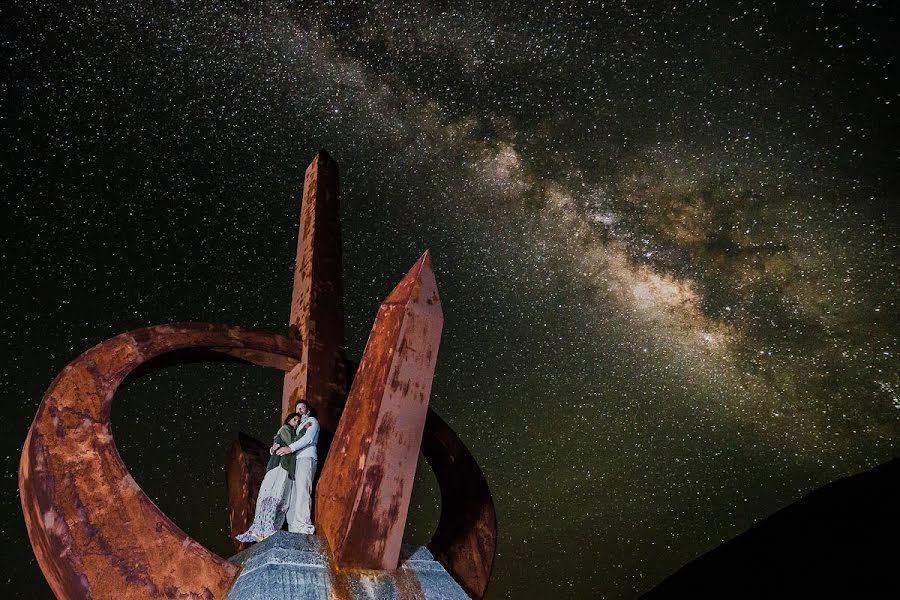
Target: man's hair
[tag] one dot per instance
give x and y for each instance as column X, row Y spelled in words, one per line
column 287, row 419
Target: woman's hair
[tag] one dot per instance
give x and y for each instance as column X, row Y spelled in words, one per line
column 290, row 416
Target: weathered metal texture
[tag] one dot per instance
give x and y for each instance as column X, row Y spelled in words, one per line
column 317, row 303
column 245, row 469
column 93, row 530
column 465, row 541
column 95, row 533
column 363, row 495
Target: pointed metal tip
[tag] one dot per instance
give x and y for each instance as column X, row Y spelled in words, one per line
column 323, row 153
column 322, row 161
column 410, row 286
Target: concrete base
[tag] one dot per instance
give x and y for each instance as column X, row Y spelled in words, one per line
column 293, row 566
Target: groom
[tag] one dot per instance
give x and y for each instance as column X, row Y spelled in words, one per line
column 298, row 516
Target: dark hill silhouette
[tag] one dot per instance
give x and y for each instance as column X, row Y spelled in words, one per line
column 841, row 541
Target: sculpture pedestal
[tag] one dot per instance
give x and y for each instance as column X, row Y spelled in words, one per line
column 293, row 566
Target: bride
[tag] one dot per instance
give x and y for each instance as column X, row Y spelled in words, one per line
column 275, row 491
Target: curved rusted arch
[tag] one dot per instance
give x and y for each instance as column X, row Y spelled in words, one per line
column 93, row 530
column 96, row 534
column 465, row 540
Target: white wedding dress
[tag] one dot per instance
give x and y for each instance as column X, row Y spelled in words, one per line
column 271, row 506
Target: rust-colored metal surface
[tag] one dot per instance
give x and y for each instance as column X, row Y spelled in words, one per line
column 97, row 535
column 94, row 532
column 317, row 302
column 465, row 542
column 363, row 495
column 244, row 471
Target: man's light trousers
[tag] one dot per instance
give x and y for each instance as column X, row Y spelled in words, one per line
column 298, row 516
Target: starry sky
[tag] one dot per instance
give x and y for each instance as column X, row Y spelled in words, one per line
column 665, row 237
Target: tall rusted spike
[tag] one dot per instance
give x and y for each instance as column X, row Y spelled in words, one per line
column 317, row 302
column 363, row 495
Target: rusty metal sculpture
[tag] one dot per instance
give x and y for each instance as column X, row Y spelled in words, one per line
column 363, row 496
column 94, row 532
column 317, row 301
column 465, row 541
column 97, row 535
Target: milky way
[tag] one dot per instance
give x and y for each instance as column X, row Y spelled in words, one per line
column 665, row 239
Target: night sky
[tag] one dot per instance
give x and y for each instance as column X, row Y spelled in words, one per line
column 665, row 238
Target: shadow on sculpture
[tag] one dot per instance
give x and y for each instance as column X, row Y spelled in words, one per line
column 97, row 535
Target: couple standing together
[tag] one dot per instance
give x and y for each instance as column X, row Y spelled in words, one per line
column 286, row 490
